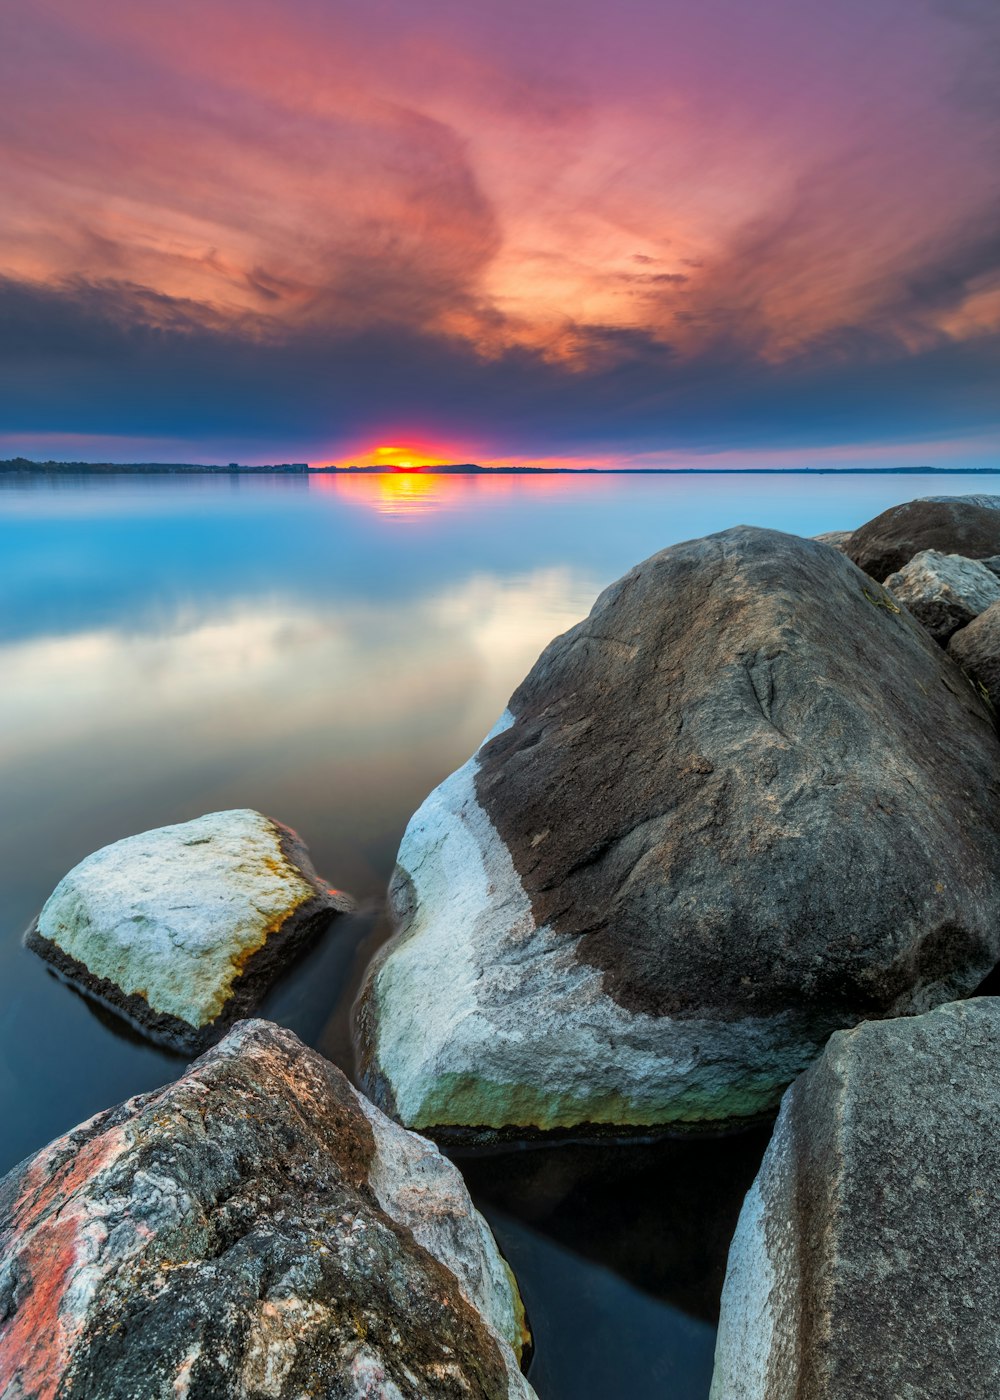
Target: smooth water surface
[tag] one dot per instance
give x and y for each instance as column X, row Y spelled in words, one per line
column 327, row 649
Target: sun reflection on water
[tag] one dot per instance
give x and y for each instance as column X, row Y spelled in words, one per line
column 413, row 495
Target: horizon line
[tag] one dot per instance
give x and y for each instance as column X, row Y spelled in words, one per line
column 27, row 466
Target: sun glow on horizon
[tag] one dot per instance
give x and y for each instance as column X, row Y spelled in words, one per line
column 405, row 458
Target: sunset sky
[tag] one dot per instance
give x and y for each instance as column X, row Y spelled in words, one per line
column 647, row 233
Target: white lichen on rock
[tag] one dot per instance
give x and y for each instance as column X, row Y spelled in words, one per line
column 171, row 917
column 760, row 1310
column 479, row 1017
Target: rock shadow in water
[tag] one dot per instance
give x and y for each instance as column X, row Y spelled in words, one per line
column 661, row 1215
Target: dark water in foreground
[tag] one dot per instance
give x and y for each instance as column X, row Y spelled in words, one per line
column 327, row 650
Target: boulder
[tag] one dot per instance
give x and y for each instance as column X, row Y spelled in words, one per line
column 745, row 802
column 838, row 538
column 990, row 502
column 865, row 1259
column 255, row 1229
column 976, row 648
column 944, row 591
column 182, row 929
column 951, row 526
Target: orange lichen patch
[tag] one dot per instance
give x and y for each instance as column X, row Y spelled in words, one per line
column 239, row 960
column 36, row 1343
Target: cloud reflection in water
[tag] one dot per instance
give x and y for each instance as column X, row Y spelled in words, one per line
column 336, row 717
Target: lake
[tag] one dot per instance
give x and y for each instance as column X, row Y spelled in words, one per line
column 326, row 650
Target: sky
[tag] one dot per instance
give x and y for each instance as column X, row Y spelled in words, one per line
column 651, row 233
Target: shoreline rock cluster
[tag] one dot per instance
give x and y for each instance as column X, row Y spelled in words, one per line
column 738, row 830
column 746, row 802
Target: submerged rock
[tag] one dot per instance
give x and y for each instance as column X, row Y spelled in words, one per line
column 955, row 525
column 182, row 929
column 944, row 591
column 976, row 648
column 254, row 1230
column 745, row 802
column 865, row 1260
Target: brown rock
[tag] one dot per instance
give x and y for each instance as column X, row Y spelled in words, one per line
column 885, row 544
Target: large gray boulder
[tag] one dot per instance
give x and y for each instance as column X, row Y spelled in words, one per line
column 745, row 802
column 952, row 526
column 256, row 1229
column 944, row 591
column 865, row 1260
column 182, row 929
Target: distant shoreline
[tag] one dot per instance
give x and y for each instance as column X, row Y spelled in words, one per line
column 22, row 466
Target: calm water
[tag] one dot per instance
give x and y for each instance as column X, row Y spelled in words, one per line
column 327, row 650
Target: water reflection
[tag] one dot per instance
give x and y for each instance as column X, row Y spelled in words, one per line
column 336, row 717
column 402, row 495
column 659, row 1214
column 171, row 646
column 595, row 1335
column 415, row 495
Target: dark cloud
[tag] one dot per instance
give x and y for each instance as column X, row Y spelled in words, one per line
column 84, row 359
column 949, row 274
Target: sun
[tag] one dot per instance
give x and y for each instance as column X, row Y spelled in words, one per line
column 407, row 459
